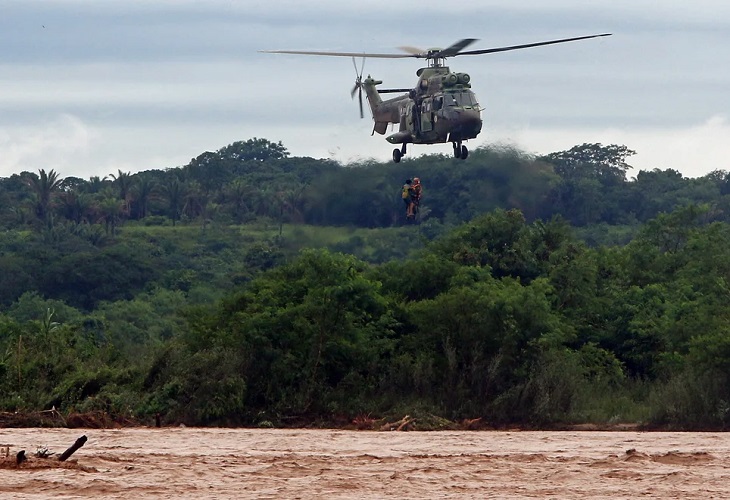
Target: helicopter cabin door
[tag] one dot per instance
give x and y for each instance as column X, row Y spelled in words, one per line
column 426, row 116
column 409, row 116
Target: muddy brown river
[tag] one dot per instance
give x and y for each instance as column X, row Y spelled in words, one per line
column 330, row 464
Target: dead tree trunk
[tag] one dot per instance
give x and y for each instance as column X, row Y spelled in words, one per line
column 78, row 444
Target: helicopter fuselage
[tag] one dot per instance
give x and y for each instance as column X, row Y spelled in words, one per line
column 450, row 116
column 441, row 108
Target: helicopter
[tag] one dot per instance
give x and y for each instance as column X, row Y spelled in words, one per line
column 440, row 108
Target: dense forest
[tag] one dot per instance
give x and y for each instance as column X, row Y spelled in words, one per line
column 250, row 287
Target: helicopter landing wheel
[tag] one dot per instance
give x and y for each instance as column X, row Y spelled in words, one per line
column 397, row 155
column 457, row 150
column 464, row 153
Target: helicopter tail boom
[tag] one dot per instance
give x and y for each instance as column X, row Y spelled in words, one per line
column 384, row 112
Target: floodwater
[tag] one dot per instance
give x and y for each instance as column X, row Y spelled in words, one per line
column 331, row 464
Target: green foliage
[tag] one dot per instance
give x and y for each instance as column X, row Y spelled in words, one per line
column 483, row 339
column 214, row 293
column 135, row 326
column 202, row 388
column 692, row 399
column 257, row 178
column 254, row 149
column 605, row 163
column 416, row 279
column 318, row 319
column 305, row 338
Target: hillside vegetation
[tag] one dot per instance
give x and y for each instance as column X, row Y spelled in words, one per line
column 252, row 288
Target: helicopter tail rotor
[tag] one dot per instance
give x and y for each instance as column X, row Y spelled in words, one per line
column 358, row 85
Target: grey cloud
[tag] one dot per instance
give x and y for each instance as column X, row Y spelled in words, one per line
column 157, row 65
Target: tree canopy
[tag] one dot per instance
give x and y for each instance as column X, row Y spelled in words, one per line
column 252, row 288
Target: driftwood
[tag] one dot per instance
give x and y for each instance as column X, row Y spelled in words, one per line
column 78, row 444
column 45, row 418
column 400, row 425
column 41, row 458
column 471, row 423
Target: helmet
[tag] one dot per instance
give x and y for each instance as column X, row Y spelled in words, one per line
column 416, row 180
column 408, row 181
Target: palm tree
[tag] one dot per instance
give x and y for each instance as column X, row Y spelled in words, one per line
column 96, row 184
column 111, row 210
column 143, row 192
column 263, row 201
column 44, row 186
column 76, row 206
column 123, row 181
column 292, row 202
column 239, row 194
column 174, row 191
column 196, row 202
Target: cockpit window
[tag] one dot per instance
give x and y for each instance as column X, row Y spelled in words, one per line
column 465, row 98
column 461, row 99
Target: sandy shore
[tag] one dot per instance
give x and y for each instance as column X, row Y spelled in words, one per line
column 255, row 463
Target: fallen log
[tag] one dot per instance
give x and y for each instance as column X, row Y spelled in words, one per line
column 400, row 425
column 78, row 444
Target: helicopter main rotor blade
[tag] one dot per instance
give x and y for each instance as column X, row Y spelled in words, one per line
column 337, row 54
column 527, row 45
column 456, row 48
column 415, row 51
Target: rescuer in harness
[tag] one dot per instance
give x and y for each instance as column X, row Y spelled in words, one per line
column 417, row 192
column 411, row 194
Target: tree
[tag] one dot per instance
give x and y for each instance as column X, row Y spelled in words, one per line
column 76, row 206
column 238, row 194
column 499, row 240
column 196, row 202
column 124, row 182
column 111, row 210
column 606, row 163
column 96, row 184
column 174, row 192
column 289, row 202
column 45, row 186
column 481, row 339
column 591, row 187
column 254, row 150
column 143, row 192
column 656, row 191
column 309, row 334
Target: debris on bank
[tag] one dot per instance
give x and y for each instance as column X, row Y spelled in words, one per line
column 43, row 458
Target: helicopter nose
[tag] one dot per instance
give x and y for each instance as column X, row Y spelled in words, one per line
column 470, row 118
column 465, row 122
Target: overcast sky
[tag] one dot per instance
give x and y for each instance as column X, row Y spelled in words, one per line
column 92, row 87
